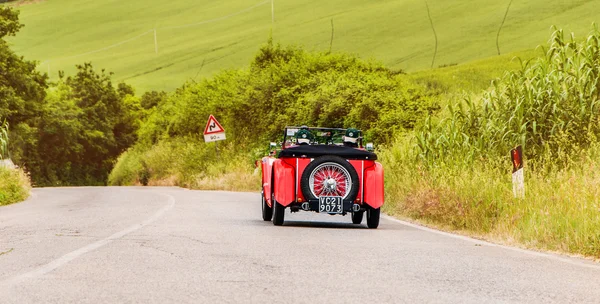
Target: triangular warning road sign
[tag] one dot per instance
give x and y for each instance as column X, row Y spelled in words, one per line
column 213, row 126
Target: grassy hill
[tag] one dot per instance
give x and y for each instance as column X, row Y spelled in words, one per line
column 198, row 37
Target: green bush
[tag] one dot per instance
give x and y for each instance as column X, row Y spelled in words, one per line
column 85, row 123
column 68, row 132
column 186, row 162
column 14, row 185
column 283, row 86
column 289, row 86
column 128, row 170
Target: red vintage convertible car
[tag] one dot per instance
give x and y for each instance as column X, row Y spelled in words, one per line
column 325, row 170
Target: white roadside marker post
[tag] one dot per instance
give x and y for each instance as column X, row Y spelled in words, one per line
column 518, row 179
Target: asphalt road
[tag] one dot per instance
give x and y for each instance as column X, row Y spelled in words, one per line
column 169, row 245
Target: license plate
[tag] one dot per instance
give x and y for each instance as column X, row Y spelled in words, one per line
column 331, row 204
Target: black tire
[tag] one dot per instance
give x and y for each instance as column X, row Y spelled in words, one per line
column 373, row 217
column 357, row 217
column 305, row 183
column 278, row 213
column 267, row 212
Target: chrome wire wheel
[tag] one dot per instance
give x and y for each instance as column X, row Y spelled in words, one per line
column 330, row 179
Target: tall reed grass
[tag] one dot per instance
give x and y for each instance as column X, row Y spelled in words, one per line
column 561, row 210
column 455, row 172
column 3, row 140
column 550, row 107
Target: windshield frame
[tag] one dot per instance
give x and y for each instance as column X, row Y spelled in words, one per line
column 290, row 131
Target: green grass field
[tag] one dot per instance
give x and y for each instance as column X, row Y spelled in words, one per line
column 197, row 38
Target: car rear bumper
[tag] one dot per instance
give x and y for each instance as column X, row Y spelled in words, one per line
column 313, row 205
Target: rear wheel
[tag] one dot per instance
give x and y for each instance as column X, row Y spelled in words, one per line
column 267, row 212
column 329, row 175
column 357, row 217
column 278, row 213
column 373, row 217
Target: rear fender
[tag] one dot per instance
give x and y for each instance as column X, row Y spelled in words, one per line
column 373, row 186
column 284, row 182
column 267, row 177
column 300, row 164
column 359, row 166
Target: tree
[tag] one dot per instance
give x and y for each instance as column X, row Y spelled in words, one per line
column 22, row 88
column 152, row 98
column 69, row 133
column 9, row 22
column 22, row 93
column 87, row 124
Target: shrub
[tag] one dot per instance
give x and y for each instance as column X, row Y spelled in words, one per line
column 287, row 86
column 14, row 185
column 85, row 124
column 283, row 86
column 186, row 162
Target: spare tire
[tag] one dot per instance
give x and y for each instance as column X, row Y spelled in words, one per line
column 329, row 175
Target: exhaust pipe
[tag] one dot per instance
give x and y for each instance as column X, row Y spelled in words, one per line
column 355, row 207
column 305, row 206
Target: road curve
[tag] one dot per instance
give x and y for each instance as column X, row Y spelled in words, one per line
column 141, row 244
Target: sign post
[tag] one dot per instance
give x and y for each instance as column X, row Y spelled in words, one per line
column 214, row 132
column 518, row 180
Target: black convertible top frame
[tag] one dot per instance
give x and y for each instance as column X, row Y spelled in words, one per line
column 314, row 151
column 318, row 149
column 285, row 133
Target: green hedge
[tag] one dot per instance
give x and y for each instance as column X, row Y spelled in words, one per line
column 14, row 185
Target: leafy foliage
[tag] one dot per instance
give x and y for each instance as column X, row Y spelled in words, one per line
column 186, row 162
column 9, row 22
column 22, row 88
column 69, row 133
column 286, row 86
column 14, row 185
column 283, row 86
column 152, row 98
column 86, row 124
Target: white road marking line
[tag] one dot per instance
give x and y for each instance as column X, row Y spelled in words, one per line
column 40, row 271
column 571, row 261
